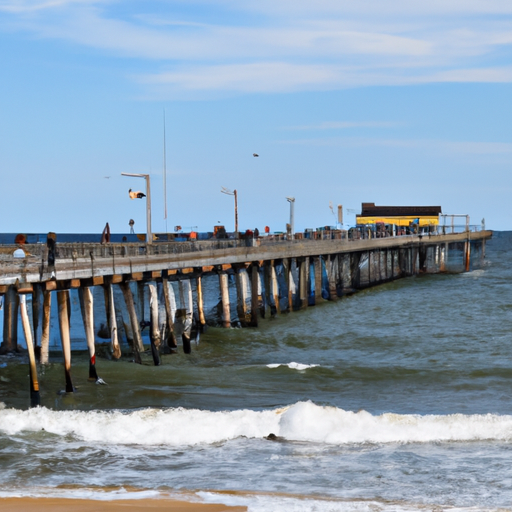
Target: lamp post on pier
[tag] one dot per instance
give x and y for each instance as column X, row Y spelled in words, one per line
column 291, row 200
column 149, row 235
column 225, row 190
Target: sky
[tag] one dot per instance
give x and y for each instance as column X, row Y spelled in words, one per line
column 402, row 102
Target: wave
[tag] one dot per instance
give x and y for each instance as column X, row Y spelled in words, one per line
column 303, row 421
column 293, row 366
column 264, row 502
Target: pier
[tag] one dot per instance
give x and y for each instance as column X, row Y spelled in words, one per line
column 272, row 275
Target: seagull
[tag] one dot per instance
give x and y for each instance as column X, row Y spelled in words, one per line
column 255, row 154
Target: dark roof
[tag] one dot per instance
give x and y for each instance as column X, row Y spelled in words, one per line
column 370, row 210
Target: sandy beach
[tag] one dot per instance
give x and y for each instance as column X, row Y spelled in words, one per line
column 79, row 505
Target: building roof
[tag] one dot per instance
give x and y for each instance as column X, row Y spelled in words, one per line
column 370, row 210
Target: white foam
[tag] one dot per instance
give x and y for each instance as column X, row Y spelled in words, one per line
column 266, row 502
column 303, row 421
column 293, row 366
column 143, row 427
column 83, row 493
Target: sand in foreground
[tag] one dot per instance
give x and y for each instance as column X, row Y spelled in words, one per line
column 73, row 505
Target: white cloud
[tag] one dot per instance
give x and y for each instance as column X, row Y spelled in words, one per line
column 258, row 77
column 378, row 8
column 489, row 75
column 284, row 46
column 459, row 148
column 30, row 6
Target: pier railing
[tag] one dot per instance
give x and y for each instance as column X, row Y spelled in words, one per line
column 80, row 250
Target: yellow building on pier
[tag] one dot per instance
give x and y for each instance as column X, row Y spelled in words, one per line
column 399, row 215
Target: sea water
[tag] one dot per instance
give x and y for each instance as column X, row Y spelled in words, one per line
column 398, row 398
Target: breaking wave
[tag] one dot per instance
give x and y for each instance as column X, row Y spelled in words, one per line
column 303, row 421
column 293, row 366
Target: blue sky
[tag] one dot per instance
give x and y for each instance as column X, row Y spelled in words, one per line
column 400, row 102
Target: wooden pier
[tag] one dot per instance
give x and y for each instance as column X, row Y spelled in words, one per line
column 271, row 277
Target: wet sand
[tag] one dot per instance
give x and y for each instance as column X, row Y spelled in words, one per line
column 77, row 505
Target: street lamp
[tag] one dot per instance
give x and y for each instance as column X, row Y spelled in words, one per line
column 291, row 200
column 225, row 190
column 149, row 236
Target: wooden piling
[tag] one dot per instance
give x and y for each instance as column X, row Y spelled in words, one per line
column 345, row 273
column 137, row 345
column 87, row 307
column 112, row 321
column 355, row 269
column 36, row 311
column 63, row 302
column 10, row 334
column 224, row 293
column 274, row 286
column 241, row 296
column 290, row 283
column 140, row 302
column 35, row 398
column 318, row 279
column 182, row 330
column 154, row 324
column 255, row 278
column 267, row 296
column 467, row 255
column 200, row 305
column 187, row 303
column 45, row 335
column 303, row 282
column 125, row 324
column 332, row 271
column 170, row 310
column 443, row 249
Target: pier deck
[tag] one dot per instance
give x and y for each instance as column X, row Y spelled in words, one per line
column 88, row 261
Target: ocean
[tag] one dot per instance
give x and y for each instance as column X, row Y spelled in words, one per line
column 396, row 398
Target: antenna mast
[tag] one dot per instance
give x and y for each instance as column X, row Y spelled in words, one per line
column 165, row 181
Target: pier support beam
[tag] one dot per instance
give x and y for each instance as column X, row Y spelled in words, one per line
column 224, row 293
column 443, row 250
column 332, row 276
column 185, row 314
column 290, row 283
column 87, row 307
column 137, row 345
column 318, row 279
column 10, row 334
column 274, row 287
column 303, row 282
column 255, row 283
column 35, row 398
column 267, row 265
column 355, row 269
column 45, row 335
column 112, row 321
column 467, row 255
column 154, row 324
column 200, row 302
column 65, row 339
column 140, row 303
column 170, row 310
column 36, row 310
column 241, row 296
